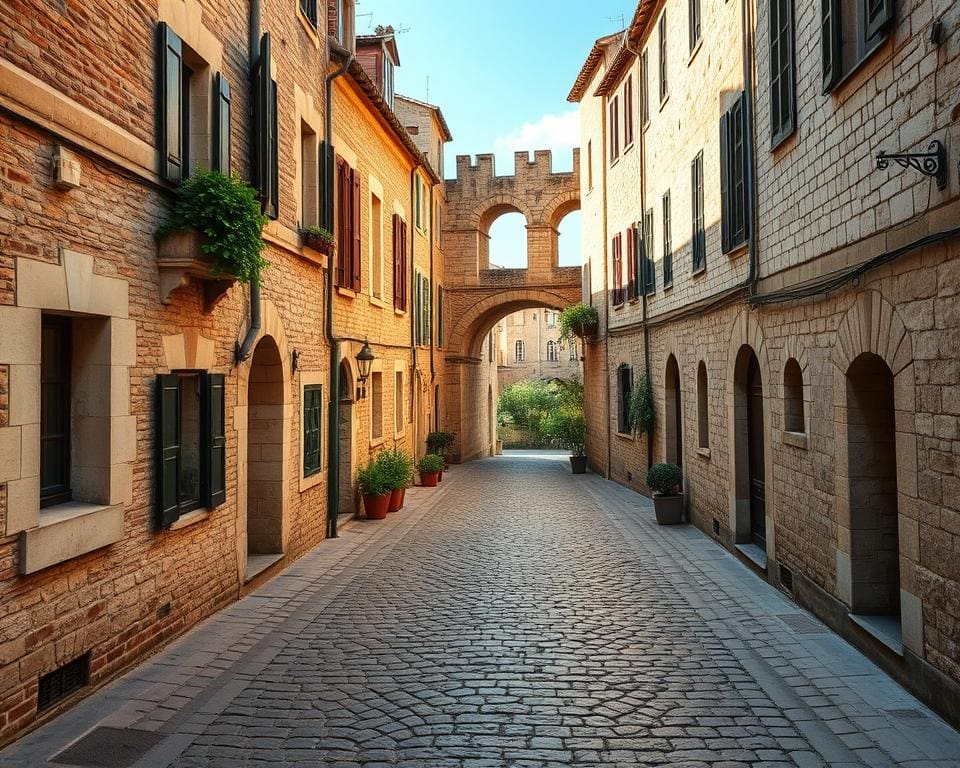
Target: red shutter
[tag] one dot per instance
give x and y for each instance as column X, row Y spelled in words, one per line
column 355, row 273
column 617, row 272
column 631, row 265
column 343, row 222
column 395, row 235
column 403, row 263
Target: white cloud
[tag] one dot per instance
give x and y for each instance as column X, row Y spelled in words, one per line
column 560, row 133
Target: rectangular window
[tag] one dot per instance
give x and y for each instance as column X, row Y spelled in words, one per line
column 265, row 156
column 348, row 226
column 519, row 351
column 616, row 248
column 667, row 245
column 398, row 402
column 312, row 428
column 376, row 405
column 388, row 81
column 422, row 319
column 589, row 165
column 698, row 237
column 309, row 178
column 734, row 219
column 783, row 110
column 56, row 343
column 849, row 33
column 400, row 288
column 649, row 267
column 346, row 24
column 633, row 286
column 376, row 247
column 624, row 387
column 614, row 129
column 644, row 89
column 418, row 186
column 309, row 8
column 695, row 23
column 440, row 316
column 628, row 112
column 664, row 86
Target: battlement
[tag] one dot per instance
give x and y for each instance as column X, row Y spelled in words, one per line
column 540, row 167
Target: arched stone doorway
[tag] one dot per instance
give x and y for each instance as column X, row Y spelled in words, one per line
column 750, row 450
column 673, row 413
column 265, row 450
column 348, row 503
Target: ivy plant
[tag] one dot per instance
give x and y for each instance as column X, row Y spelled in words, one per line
column 641, row 405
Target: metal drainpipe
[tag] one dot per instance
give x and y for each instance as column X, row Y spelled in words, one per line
column 333, row 415
column 753, row 275
column 433, row 373
column 413, row 310
column 244, row 349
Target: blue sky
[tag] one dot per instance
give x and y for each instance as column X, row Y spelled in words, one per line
column 500, row 70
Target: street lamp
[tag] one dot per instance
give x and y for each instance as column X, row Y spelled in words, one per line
column 365, row 358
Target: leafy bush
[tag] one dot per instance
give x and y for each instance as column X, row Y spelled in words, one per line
column 226, row 212
column 430, row 463
column 575, row 319
column 664, row 479
column 373, row 479
column 641, row 406
column 568, row 427
column 320, row 233
column 398, row 467
column 526, row 404
column 440, row 442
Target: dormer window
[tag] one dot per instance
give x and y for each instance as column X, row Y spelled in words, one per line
column 388, row 81
column 346, row 24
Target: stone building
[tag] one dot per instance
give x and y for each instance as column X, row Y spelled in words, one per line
column 164, row 438
column 530, row 348
column 792, row 297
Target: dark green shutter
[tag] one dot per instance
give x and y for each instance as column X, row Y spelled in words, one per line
column 744, row 199
column 440, row 316
column 170, row 77
column 221, row 127
column 312, row 413
column 327, row 189
column 215, row 441
column 830, row 55
column 878, row 15
column 273, row 211
column 168, row 449
column 263, row 124
column 726, row 195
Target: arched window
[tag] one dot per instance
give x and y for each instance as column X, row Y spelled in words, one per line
column 552, row 351
column 573, row 351
column 703, row 406
column 519, row 350
column 793, row 397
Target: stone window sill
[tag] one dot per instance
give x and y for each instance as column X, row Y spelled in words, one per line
column 346, row 292
column 191, row 518
column 378, row 302
column 67, row 531
column 796, row 439
column 626, row 436
column 753, row 553
column 705, row 452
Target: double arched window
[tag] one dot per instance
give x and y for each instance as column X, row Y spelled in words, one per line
column 552, row 351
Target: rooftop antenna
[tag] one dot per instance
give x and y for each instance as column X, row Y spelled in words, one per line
column 428, row 87
column 620, row 18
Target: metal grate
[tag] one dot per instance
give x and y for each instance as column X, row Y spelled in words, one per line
column 786, row 578
column 716, row 527
column 63, row 681
column 106, row 747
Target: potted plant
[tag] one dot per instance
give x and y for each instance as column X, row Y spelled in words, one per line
column 568, row 427
column 578, row 320
column 398, row 465
column 430, row 467
column 440, row 443
column 665, row 480
column 375, row 488
column 319, row 239
column 214, row 232
column 641, row 412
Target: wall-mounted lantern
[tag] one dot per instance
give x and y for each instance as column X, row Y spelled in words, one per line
column 931, row 163
column 365, row 358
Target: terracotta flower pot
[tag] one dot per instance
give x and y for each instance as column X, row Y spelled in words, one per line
column 429, row 479
column 668, row 509
column 376, row 506
column 318, row 244
column 396, row 499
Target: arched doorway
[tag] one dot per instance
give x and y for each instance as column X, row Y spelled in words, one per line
column 872, row 461
column 347, row 501
column 265, row 446
column 749, row 438
column 673, row 413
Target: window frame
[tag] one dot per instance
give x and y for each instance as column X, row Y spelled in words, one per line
column 61, row 326
column 644, row 89
column 649, row 267
column 628, row 135
column 308, row 471
column 783, row 72
column 698, row 244
column 614, row 129
column 552, row 356
column 624, row 391
column 703, row 407
column 305, row 8
column 663, row 72
column 617, row 263
column 667, row 241
column 519, row 351
column 694, row 21
column 870, row 35
column 735, row 214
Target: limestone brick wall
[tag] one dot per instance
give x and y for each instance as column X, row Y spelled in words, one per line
column 531, row 327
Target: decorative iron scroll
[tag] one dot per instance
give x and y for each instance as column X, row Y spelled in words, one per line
column 931, row 163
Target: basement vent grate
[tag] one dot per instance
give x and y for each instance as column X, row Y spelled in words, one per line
column 106, row 747
column 786, row 578
column 716, row 527
column 63, row 681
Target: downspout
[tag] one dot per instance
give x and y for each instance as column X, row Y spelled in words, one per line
column 244, row 349
column 333, row 409
column 415, row 404
column 748, row 73
column 433, row 373
column 606, row 292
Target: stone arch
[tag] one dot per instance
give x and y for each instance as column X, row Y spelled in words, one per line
column 556, row 209
column 794, row 350
column 872, row 327
column 488, row 211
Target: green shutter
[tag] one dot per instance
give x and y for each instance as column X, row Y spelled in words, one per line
column 273, row 211
column 726, row 194
column 168, row 449
column 830, row 55
column 215, row 442
column 263, row 124
column 221, row 127
column 170, row 71
column 312, row 414
column 440, row 316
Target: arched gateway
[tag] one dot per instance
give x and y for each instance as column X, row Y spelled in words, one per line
column 477, row 294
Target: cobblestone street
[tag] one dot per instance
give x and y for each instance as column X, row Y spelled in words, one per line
column 516, row 616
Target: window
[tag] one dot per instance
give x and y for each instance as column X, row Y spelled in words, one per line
column 418, row 187
column 388, row 81
column 614, row 129
column 649, row 266
column 398, row 402
column 793, row 397
column 550, row 318
column 56, row 341
column 664, row 87
column 703, row 412
column 552, row 351
column 624, row 388
column 733, row 174
column 422, row 319
column 376, row 247
column 440, row 316
column 376, row 405
column 695, row 23
column 783, row 109
column 573, row 351
column 698, row 238
column 309, row 8
column 309, row 178
column 667, row 245
column 628, row 112
column 348, row 226
column 519, row 351
column 633, row 286
column 345, row 21
column 589, row 165
column 644, row 89
column 312, row 428
column 849, row 33
column 399, row 263
column 617, row 251
column 192, row 443
column 264, row 161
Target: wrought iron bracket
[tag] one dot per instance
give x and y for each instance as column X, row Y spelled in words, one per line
column 931, row 163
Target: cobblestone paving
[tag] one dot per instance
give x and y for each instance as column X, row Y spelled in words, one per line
column 517, row 617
